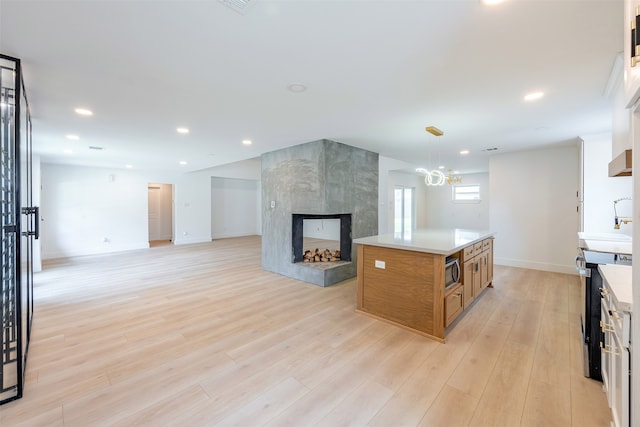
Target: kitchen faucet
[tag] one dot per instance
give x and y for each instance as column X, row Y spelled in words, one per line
column 620, row 219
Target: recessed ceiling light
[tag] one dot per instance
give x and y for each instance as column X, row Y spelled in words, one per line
column 297, row 87
column 67, row 151
column 128, row 166
column 73, row 137
column 182, row 130
column 463, row 152
column 533, row 96
column 84, row 112
column 247, row 142
column 182, row 162
column 441, row 167
column 492, row 2
column 456, row 172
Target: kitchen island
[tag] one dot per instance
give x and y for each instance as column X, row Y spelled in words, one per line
column 401, row 277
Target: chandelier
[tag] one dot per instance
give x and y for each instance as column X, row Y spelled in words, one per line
column 431, row 178
column 436, row 177
column 452, row 179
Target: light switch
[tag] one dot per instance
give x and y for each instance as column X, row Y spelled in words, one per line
column 273, row 204
column 380, row 264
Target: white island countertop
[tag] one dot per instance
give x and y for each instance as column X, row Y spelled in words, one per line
column 435, row 241
column 619, row 279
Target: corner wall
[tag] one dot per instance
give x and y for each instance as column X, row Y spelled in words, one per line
column 319, row 177
column 600, row 190
column 81, row 206
column 234, row 207
column 443, row 212
column 533, row 208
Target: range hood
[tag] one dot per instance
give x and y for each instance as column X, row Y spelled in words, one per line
column 621, row 164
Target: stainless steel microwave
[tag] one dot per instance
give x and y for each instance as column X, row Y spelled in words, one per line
column 451, row 271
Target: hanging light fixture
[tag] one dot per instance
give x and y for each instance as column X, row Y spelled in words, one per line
column 433, row 177
column 434, row 130
column 451, row 179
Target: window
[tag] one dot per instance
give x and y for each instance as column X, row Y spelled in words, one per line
column 466, row 193
column 403, row 210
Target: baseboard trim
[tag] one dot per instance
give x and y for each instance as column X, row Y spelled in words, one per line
column 534, row 265
column 93, row 251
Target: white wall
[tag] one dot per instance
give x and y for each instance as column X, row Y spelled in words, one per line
column 600, row 190
column 234, row 207
column 328, row 229
column 81, row 206
column 84, row 212
column 443, row 212
column 37, row 185
column 533, row 208
column 434, row 207
column 192, row 214
column 250, row 169
column 621, row 117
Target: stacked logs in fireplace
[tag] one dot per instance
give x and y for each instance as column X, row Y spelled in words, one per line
column 321, row 256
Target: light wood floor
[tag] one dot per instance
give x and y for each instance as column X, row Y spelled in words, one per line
column 200, row 335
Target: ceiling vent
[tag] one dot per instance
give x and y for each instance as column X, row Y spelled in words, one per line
column 94, row 147
column 240, row 6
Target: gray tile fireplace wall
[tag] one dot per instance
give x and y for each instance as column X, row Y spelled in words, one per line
column 317, row 178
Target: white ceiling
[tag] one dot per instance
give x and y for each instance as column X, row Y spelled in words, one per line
column 377, row 73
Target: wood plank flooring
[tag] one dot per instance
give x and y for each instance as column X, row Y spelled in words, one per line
column 200, row 335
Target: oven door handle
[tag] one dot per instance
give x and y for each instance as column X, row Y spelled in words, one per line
column 581, row 267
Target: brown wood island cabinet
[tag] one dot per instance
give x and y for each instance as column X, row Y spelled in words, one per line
column 403, row 279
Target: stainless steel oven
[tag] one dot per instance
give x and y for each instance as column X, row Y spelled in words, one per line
column 590, row 286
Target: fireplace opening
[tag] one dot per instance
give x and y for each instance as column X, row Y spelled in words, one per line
column 329, row 234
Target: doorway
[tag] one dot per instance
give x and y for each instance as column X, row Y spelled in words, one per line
column 160, row 213
column 404, row 211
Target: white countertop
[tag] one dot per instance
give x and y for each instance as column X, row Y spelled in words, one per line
column 612, row 247
column 612, row 237
column 434, row 241
column 618, row 278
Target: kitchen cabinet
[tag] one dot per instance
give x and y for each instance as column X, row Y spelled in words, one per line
column 467, row 280
column 477, row 271
column 453, row 303
column 487, row 264
column 615, row 323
